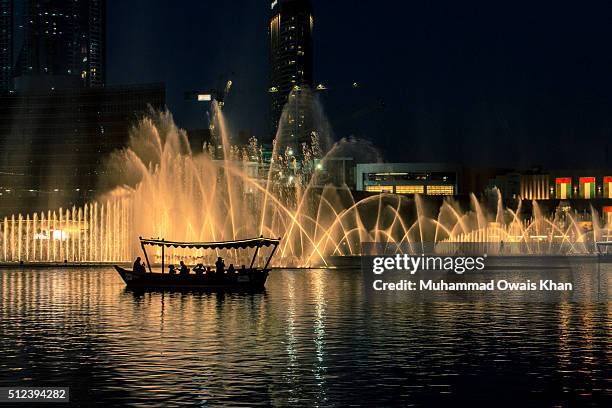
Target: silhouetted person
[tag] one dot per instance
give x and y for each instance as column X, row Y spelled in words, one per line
column 184, row 269
column 208, row 269
column 138, row 266
column 243, row 269
column 220, row 265
column 199, row 269
column 231, row 269
column 171, row 270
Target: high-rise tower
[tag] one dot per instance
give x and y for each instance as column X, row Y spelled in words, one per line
column 6, row 45
column 291, row 68
column 63, row 44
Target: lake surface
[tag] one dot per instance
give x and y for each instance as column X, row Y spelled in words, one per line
column 313, row 338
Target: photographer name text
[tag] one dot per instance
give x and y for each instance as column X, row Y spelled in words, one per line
column 492, row 285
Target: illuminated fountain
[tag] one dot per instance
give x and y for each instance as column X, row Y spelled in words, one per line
column 92, row 233
column 166, row 191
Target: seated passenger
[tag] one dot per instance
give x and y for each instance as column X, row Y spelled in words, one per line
column 171, row 270
column 138, row 266
column 220, row 265
column 231, row 269
column 243, row 269
column 199, row 269
column 208, row 270
column 184, row 270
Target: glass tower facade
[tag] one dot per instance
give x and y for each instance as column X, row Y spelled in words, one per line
column 291, row 69
column 6, row 44
column 63, row 43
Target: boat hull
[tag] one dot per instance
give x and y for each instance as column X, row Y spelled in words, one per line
column 252, row 280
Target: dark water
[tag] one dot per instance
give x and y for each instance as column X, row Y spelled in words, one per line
column 312, row 339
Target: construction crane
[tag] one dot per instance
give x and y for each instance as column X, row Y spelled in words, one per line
column 218, row 93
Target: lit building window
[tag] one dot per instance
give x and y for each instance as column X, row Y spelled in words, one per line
column 440, row 190
column 608, row 187
column 563, row 187
column 409, row 189
column 587, row 187
column 379, row 189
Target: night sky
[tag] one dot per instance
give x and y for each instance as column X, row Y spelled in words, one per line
column 504, row 83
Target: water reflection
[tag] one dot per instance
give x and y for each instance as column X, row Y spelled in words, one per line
column 313, row 338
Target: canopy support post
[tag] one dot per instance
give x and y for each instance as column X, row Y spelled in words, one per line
column 162, row 266
column 254, row 256
column 144, row 251
column 270, row 257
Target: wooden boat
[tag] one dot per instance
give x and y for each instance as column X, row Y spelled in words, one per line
column 251, row 278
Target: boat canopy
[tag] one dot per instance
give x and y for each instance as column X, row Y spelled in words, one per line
column 243, row 243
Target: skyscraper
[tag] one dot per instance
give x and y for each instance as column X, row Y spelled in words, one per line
column 291, row 68
column 6, row 44
column 63, row 44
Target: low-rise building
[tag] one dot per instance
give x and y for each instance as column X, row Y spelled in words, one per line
column 555, row 184
column 408, row 178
